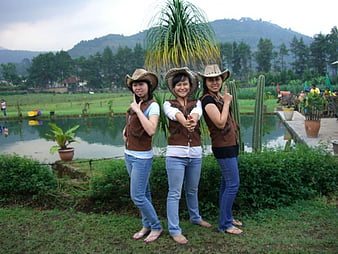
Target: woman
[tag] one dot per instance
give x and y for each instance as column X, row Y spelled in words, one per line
column 224, row 141
column 142, row 119
column 3, row 106
column 184, row 152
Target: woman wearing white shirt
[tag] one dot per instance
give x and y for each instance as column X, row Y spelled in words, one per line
column 184, row 152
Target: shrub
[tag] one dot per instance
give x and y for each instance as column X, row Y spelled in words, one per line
column 112, row 186
column 270, row 179
column 23, row 177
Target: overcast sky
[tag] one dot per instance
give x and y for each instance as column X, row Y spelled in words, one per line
column 54, row 25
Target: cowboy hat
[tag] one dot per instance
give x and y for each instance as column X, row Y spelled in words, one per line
column 172, row 73
column 142, row 75
column 213, row 70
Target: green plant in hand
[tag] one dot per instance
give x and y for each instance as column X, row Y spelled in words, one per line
column 62, row 138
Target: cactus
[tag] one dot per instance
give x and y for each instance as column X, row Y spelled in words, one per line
column 235, row 110
column 257, row 134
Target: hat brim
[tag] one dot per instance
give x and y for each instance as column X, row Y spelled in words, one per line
column 224, row 75
column 148, row 76
column 172, row 73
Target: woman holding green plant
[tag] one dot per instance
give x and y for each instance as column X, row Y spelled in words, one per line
column 141, row 123
column 224, row 141
column 184, row 152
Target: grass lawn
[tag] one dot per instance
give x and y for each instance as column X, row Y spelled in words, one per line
column 99, row 103
column 305, row 227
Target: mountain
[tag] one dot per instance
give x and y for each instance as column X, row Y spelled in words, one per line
column 227, row 30
column 16, row 56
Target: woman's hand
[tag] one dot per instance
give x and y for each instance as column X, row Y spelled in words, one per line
column 136, row 107
column 191, row 123
column 227, row 98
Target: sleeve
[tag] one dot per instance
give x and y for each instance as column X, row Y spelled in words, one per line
column 197, row 109
column 207, row 100
column 170, row 111
column 154, row 109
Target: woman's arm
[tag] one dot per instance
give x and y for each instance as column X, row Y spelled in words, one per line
column 149, row 125
column 217, row 117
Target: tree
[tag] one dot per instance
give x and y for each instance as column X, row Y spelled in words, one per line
column 43, row 73
column 300, row 54
column 108, row 66
column 9, row 73
column 244, row 52
column 64, row 65
column 180, row 36
column 264, row 55
column 332, row 40
column 123, row 65
column 283, row 51
column 318, row 53
column 226, row 54
column 138, row 56
column 91, row 70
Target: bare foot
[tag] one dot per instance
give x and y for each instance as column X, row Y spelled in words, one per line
column 179, row 238
column 203, row 223
column 141, row 233
column 153, row 236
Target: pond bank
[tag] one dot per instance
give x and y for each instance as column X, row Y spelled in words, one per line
column 328, row 131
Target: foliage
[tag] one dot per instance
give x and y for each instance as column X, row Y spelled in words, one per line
column 24, row 177
column 313, row 106
column 180, row 36
column 61, row 137
column 112, row 186
column 270, row 179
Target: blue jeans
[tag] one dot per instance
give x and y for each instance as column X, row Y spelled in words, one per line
column 189, row 171
column 139, row 172
column 228, row 191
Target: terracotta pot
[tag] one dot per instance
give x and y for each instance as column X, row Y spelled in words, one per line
column 288, row 113
column 66, row 154
column 312, row 128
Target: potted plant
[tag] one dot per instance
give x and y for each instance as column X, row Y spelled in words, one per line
column 288, row 112
column 313, row 106
column 63, row 139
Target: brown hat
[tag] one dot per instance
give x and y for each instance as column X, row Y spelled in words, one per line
column 213, row 70
column 142, row 75
column 172, row 73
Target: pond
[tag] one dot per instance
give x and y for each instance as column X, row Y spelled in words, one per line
column 101, row 137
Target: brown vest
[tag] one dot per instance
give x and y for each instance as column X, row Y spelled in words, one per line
column 179, row 135
column 228, row 136
column 137, row 138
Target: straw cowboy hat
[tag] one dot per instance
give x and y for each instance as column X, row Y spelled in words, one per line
column 142, row 75
column 171, row 74
column 213, row 70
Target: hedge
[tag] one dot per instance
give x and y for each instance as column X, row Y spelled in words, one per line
column 269, row 179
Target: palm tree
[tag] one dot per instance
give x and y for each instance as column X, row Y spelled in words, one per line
column 180, row 35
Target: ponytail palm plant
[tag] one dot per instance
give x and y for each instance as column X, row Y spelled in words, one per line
column 180, row 35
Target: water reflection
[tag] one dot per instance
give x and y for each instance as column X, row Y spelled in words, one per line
column 101, row 137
